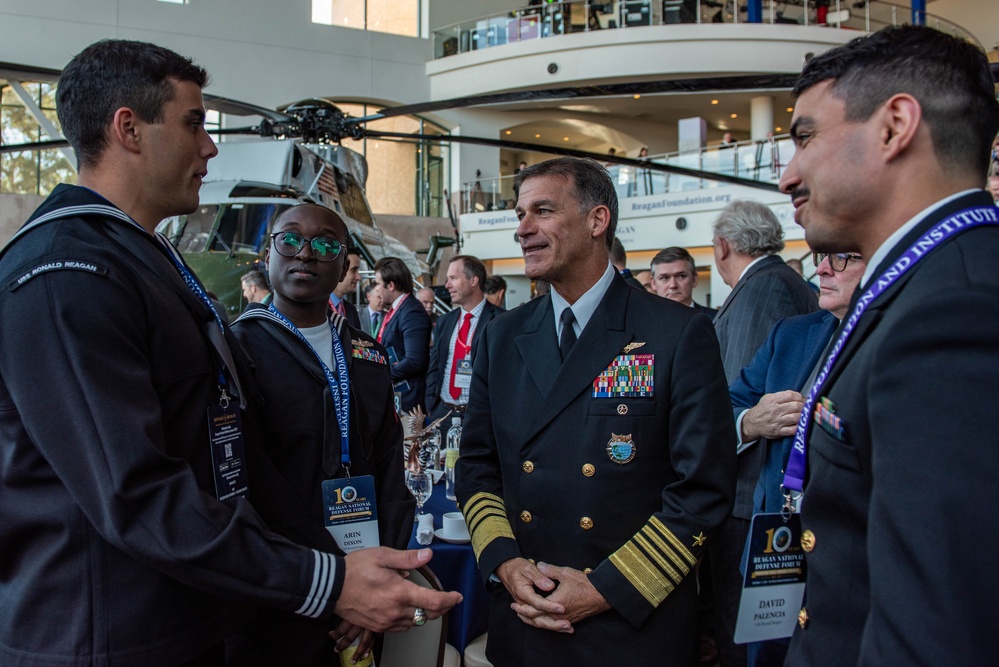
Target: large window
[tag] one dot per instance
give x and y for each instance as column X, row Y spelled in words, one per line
column 404, row 177
column 397, row 17
column 30, row 172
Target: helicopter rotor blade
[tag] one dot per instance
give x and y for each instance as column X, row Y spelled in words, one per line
column 34, row 146
column 238, row 108
column 572, row 152
column 18, row 72
column 249, row 130
column 720, row 84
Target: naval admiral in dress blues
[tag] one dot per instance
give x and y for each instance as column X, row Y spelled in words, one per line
column 599, row 478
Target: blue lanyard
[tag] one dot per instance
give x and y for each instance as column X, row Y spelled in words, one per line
column 189, row 279
column 962, row 221
column 339, row 385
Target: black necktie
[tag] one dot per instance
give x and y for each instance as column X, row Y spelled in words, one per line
column 568, row 337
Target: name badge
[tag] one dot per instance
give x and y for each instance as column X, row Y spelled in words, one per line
column 774, row 583
column 225, row 433
column 463, row 374
column 351, row 512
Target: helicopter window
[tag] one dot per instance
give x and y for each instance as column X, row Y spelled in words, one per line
column 190, row 233
column 244, row 227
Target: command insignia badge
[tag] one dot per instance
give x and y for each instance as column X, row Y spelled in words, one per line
column 621, row 449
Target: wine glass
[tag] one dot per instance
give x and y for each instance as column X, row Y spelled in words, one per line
column 421, row 486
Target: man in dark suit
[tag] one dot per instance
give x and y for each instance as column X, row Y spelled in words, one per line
column 597, row 455
column 767, row 395
column 450, row 371
column 338, row 300
column 899, row 487
column 674, row 276
column 747, row 238
column 405, row 332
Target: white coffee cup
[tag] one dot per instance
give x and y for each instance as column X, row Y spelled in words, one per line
column 453, row 526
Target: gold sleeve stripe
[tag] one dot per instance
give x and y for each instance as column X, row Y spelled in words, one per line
column 656, row 544
column 642, row 574
column 656, row 555
column 481, row 504
column 654, row 561
column 486, row 521
column 678, row 546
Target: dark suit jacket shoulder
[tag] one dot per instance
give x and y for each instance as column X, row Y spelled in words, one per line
column 770, row 291
column 710, row 312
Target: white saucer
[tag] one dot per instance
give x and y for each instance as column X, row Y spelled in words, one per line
column 439, row 534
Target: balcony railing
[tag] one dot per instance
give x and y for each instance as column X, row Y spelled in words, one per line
column 562, row 18
column 756, row 160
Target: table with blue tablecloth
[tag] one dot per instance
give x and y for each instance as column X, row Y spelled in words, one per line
column 455, row 566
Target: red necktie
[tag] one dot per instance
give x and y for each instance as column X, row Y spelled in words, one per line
column 385, row 320
column 460, row 352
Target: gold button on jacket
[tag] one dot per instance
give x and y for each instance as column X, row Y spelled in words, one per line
column 528, row 467
column 586, row 523
column 808, row 541
column 588, row 469
column 526, row 517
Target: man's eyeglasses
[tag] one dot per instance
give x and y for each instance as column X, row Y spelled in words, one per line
column 290, row 244
column 837, row 260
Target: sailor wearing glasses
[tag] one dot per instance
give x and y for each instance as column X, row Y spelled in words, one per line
column 298, row 347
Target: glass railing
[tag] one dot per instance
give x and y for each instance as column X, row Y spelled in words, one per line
column 562, row 18
column 755, row 160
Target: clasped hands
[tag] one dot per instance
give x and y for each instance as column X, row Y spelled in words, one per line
column 573, row 598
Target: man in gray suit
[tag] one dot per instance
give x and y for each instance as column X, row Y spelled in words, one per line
column 747, row 238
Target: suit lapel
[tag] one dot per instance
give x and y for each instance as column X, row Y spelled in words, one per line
column 603, row 339
column 819, row 331
column 539, row 349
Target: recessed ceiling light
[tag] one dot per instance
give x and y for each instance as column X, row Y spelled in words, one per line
column 735, row 115
column 509, row 131
column 790, row 109
column 537, row 136
column 637, row 97
column 714, row 101
column 776, row 129
column 565, row 138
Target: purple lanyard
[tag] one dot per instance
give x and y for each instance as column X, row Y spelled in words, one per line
column 959, row 222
